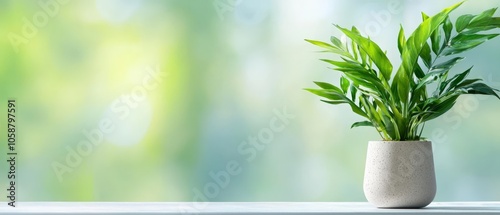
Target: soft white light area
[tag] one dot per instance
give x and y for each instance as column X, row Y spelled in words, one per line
column 307, row 13
column 129, row 129
column 314, row 177
column 257, row 75
column 117, row 11
column 251, row 12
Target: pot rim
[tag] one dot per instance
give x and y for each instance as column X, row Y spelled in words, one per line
column 401, row 141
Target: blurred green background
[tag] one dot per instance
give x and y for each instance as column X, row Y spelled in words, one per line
column 205, row 77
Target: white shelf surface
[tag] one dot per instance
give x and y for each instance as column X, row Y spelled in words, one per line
column 239, row 208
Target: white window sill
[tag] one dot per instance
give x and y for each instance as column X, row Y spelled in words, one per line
column 242, row 208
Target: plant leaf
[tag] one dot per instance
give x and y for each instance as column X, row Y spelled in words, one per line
column 358, row 75
column 414, row 46
column 440, row 107
column 462, row 22
column 357, row 110
column 334, row 102
column 435, row 40
column 424, row 16
column 425, row 54
column 464, row 42
column 391, row 127
column 419, row 72
column 447, row 27
column 321, row 44
column 480, row 88
column 419, row 37
column 329, row 94
column 344, row 84
column 336, row 42
column 429, row 78
column 328, row 86
column 337, row 98
column 353, row 90
column 453, row 82
column 372, row 50
column 362, row 123
column 485, row 15
column 467, row 82
column 399, row 108
column 446, row 66
column 330, row 48
column 401, row 39
column 486, row 24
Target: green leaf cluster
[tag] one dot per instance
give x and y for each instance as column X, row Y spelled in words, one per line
column 399, row 104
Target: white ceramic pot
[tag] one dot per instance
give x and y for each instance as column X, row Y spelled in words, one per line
column 399, row 174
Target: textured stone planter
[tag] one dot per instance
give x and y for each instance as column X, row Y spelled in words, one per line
column 399, row 174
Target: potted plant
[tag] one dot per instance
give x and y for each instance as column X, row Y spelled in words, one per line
column 399, row 171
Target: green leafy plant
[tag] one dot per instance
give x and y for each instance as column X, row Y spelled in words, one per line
column 399, row 105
